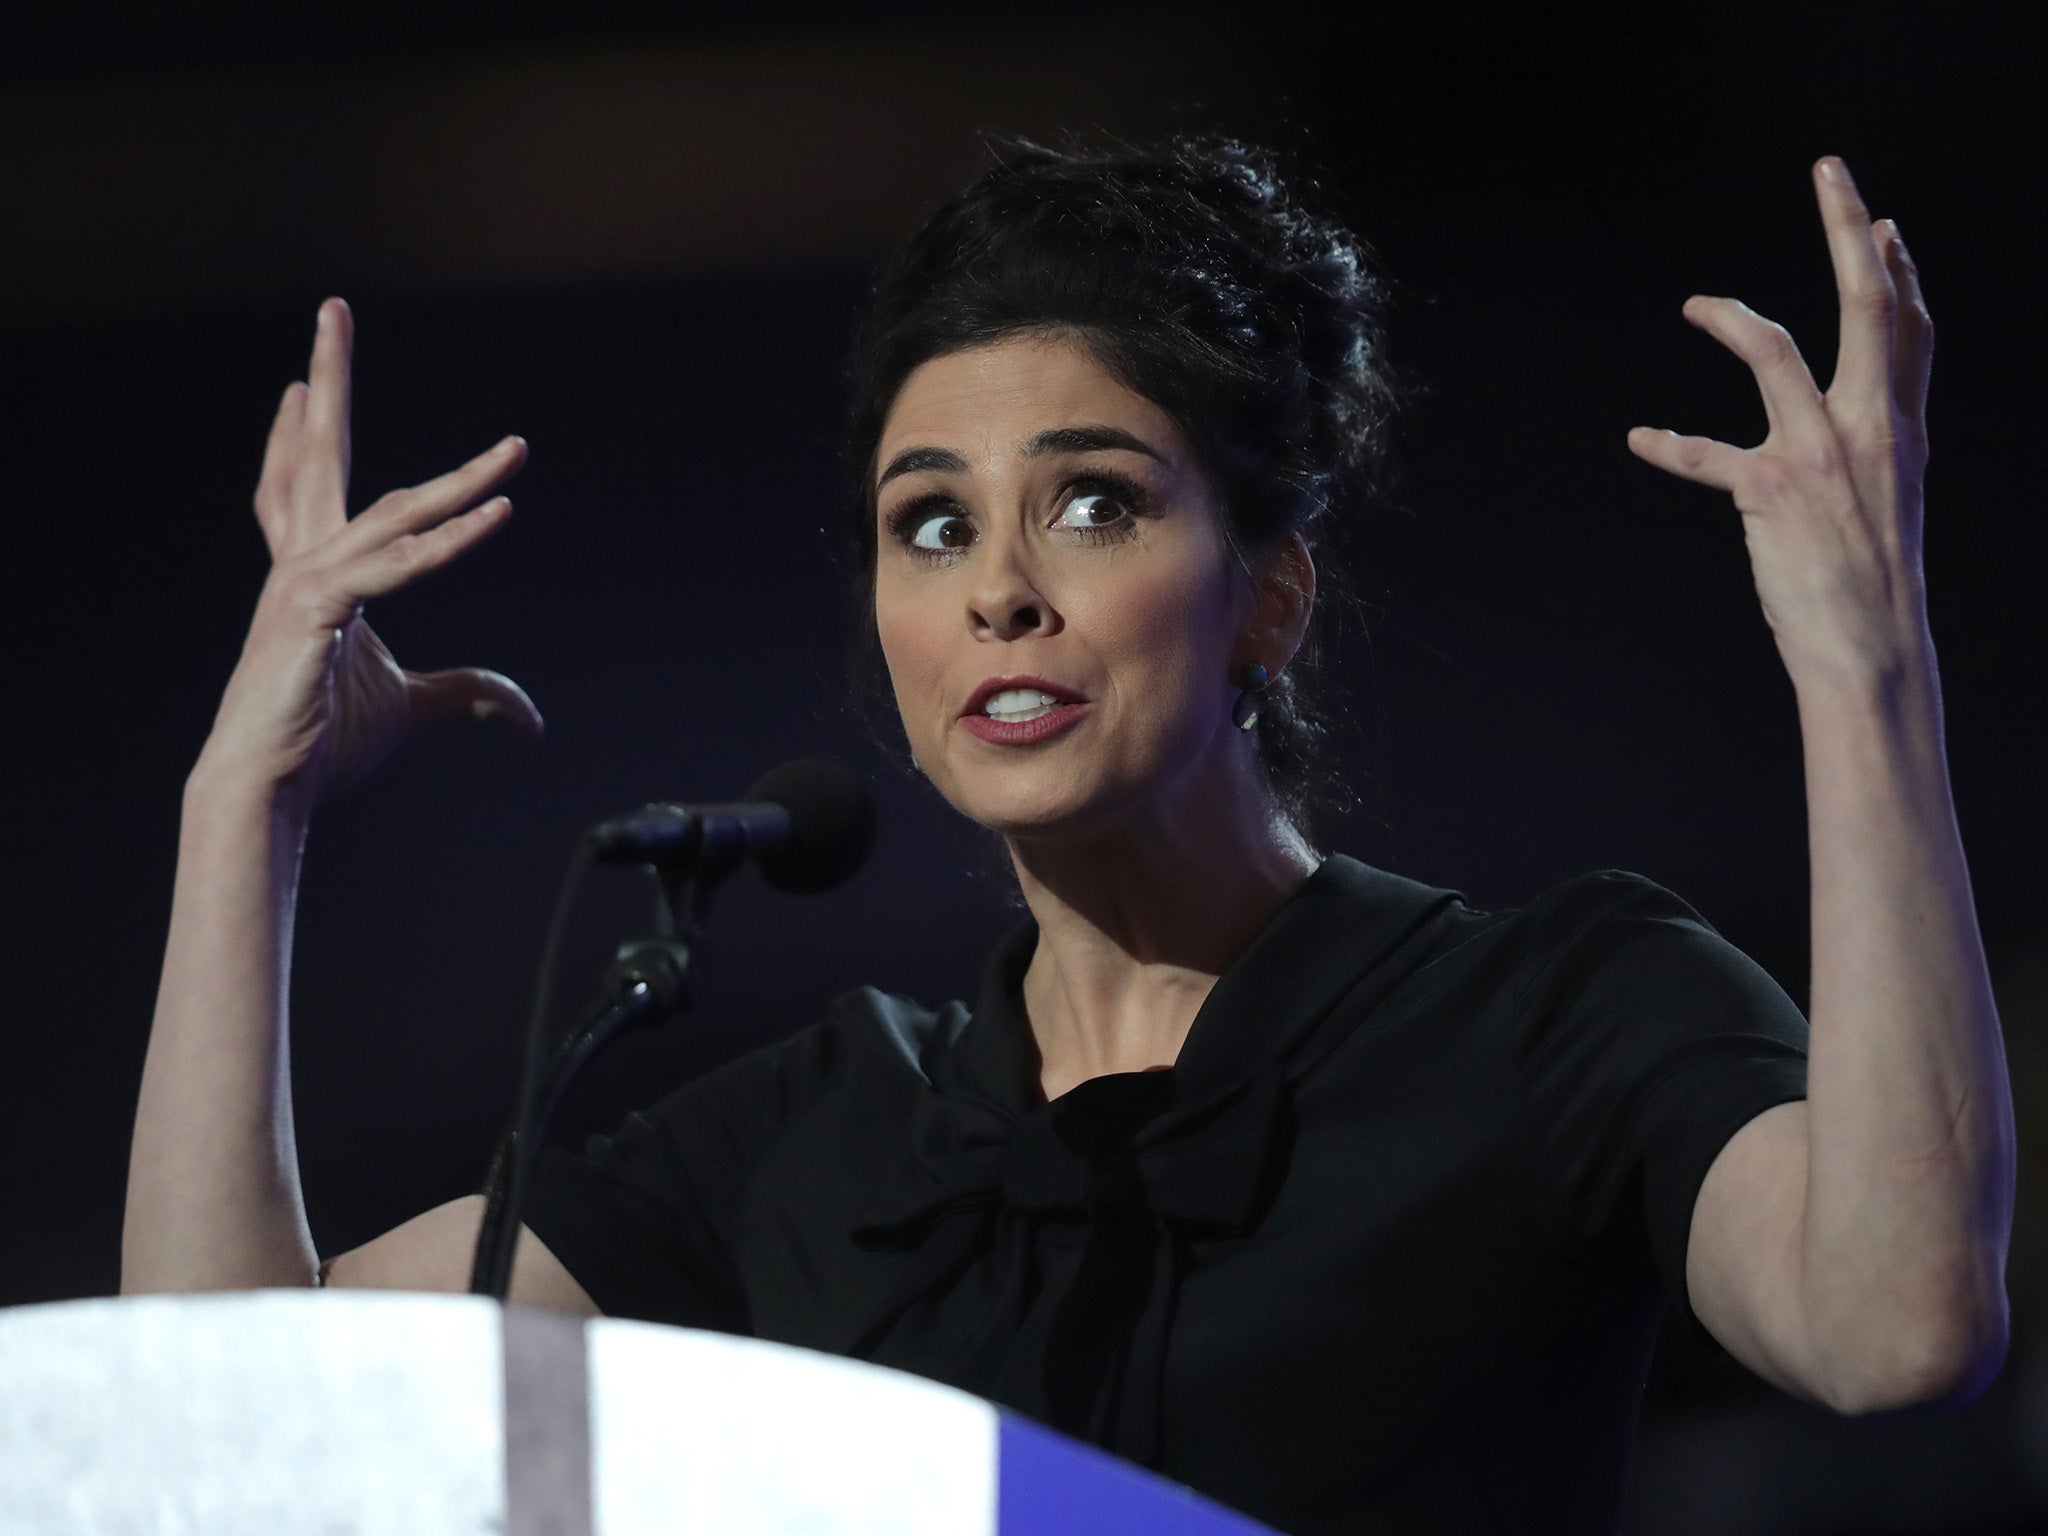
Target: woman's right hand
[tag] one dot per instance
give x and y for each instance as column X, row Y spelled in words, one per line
column 316, row 701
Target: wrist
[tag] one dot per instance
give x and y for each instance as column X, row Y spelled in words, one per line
column 1886, row 717
column 1908, row 682
column 1885, row 667
column 225, row 784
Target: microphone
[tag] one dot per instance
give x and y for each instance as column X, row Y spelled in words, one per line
column 808, row 825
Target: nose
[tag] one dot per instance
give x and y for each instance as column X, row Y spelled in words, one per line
column 1005, row 603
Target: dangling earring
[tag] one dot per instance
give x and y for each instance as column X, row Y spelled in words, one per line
column 1244, row 714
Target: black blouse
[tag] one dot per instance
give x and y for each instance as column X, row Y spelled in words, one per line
column 1385, row 1250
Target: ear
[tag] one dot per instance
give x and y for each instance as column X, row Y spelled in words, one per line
column 1283, row 598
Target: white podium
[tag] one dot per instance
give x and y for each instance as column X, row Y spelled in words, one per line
column 380, row 1413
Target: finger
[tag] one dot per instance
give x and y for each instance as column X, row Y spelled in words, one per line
column 1792, row 402
column 472, row 693
column 1699, row 459
column 405, row 559
column 280, row 458
column 419, row 507
column 1863, row 359
column 320, row 500
column 1913, row 350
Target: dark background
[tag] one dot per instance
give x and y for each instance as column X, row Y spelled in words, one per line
column 640, row 237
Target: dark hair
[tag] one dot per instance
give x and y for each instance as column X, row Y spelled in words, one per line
column 1195, row 276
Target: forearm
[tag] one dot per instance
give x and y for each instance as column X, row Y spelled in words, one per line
column 1910, row 1168
column 214, row 1201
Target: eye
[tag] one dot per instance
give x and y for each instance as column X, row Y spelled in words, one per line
column 1094, row 509
column 1098, row 504
column 942, row 531
column 930, row 527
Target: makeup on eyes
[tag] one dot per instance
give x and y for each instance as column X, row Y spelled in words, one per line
column 906, row 520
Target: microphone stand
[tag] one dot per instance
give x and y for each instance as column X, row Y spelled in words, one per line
column 642, row 986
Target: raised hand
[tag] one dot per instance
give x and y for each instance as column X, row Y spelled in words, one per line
column 1831, row 499
column 316, row 700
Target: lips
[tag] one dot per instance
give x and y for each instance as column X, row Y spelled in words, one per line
column 1037, row 710
column 977, row 702
column 1023, row 733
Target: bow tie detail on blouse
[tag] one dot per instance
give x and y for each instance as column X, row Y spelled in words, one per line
column 1033, row 1253
column 1054, row 1240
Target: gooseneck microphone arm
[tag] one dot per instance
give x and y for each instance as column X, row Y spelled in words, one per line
column 642, row 988
column 809, row 826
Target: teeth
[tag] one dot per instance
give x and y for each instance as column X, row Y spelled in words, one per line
column 1017, row 704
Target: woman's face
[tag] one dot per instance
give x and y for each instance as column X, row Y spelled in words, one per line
column 1061, row 617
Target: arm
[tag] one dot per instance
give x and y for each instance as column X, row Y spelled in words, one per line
column 213, row 1183
column 213, row 1174
column 433, row 1252
column 315, row 701
column 1851, row 1249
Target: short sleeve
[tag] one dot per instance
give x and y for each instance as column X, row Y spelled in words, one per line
column 1649, row 1041
column 643, row 1218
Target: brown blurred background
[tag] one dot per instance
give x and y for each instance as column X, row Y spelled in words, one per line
column 639, row 235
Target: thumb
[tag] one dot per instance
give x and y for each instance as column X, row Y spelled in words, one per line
column 471, row 693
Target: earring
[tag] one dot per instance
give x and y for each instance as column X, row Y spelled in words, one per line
column 1244, row 714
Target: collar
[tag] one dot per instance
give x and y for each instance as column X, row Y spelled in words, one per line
column 1335, row 930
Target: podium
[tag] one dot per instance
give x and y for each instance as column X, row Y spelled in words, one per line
column 385, row 1413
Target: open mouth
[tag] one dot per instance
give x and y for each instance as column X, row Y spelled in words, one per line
column 1021, row 711
column 1014, row 706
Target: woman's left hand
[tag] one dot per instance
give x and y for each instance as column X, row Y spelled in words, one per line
column 1831, row 499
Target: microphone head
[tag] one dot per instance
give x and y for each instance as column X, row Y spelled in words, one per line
column 831, row 824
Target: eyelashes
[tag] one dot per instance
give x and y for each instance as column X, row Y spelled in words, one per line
column 909, row 519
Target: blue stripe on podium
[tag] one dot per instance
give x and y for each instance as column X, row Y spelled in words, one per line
column 1050, row 1485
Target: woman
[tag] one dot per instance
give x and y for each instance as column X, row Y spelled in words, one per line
column 1299, row 1181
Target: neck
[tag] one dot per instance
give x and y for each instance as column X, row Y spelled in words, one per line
column 1136, row 922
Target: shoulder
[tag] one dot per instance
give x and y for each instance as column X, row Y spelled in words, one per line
column 1560, row 913
column 868, row 1040
column 865, row 1031
column 1601, row 918
column 1613, row 950
column 1499, row 953
column 1382, row 907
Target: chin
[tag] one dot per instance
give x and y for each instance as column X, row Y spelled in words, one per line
column 1033, row 800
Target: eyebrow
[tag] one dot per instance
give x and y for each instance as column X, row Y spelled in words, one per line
column 1053, row 440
